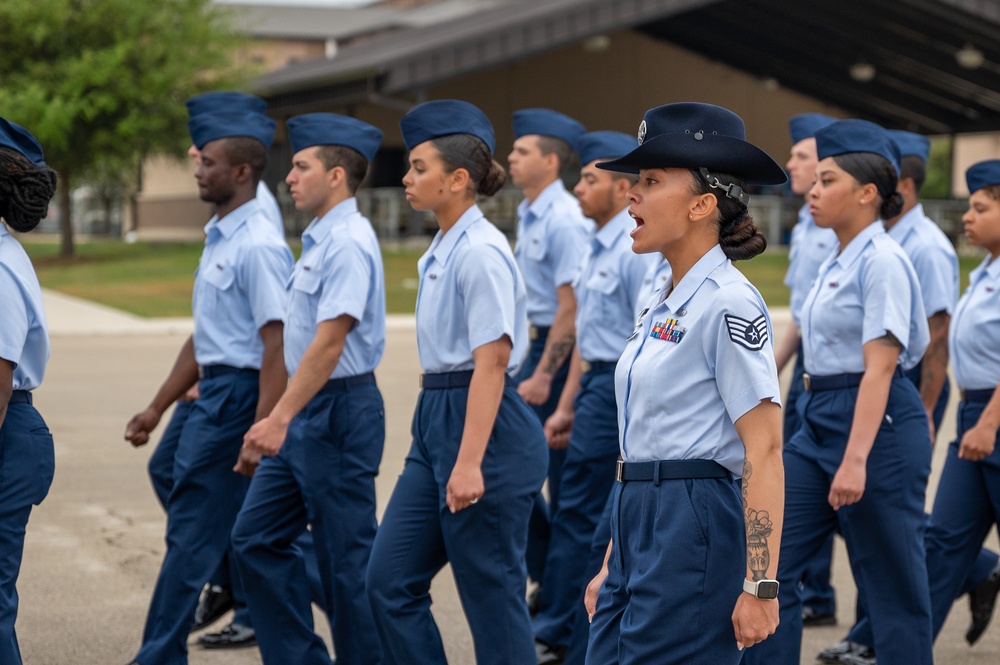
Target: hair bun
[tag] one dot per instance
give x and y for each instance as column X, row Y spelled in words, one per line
column 493, row 180
column 25, row 191
column 742, row 240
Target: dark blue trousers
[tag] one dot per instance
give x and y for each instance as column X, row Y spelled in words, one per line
column 817, row 592
column 323, row 476
column 674, row 575
column 27, row 464
column 884, row 531
column 587, row 476
column 484, row 543
column 577, row 653
column 201, row 509
column 161, row 473
column 539, row 526
column 966, row 507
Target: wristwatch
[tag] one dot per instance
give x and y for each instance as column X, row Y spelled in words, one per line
column 765, row 589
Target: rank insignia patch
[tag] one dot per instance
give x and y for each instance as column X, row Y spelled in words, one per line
column 749, row 334
column 669, row 330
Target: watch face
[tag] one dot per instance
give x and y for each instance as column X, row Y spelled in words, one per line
column 767, row 589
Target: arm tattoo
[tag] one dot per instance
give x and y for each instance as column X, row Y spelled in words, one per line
column 558, row 353
column 759, row 527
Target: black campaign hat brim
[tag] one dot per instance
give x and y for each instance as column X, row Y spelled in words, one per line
column 723, row 154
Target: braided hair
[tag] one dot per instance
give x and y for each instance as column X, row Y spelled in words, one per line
column 25, row 190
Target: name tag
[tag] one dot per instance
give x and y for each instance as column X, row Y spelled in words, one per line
column 669, row 331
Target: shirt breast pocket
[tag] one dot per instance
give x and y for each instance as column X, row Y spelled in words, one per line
column 219, row 279
column 604, row 284
column 305, row 299
column 536, row 249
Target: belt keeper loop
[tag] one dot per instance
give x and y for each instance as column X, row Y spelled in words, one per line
column 656, row 473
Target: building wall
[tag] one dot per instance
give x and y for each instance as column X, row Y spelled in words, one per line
column 969, row 149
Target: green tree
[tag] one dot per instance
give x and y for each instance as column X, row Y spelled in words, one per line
column 938, row 183
column 102, row 82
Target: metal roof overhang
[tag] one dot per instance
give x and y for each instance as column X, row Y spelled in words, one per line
column 807, row 46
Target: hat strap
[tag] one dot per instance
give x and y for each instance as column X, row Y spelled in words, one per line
column 732, row 191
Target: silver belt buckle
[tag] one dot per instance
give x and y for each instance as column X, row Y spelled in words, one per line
column 619, row 470
column 532, row 333
column 201, row 372
column 806, row 381
column 585, row 366
column 961, row 394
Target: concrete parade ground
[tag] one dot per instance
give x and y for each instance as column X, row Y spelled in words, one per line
column 94, row 546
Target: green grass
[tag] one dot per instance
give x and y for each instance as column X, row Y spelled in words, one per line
column 155, row 279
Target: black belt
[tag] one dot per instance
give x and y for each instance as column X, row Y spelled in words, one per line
column 599, row 366
column 443, row 380
column 838, row 381
column 20, row 397
column 670, row 469
column 977, row 396
column 215, row 371
column 538, row 333
column 342, row 384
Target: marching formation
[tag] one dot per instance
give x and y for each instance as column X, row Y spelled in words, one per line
column 615, row 355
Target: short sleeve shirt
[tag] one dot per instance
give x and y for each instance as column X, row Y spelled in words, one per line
column 699, row 360
column 552, row 236
column 867, row 290
column 933, row 258
column 339, row 273
column 239, row 287
column 610, row 280
column 974, row 334
column 809, row 247
column 269, row 206
column 24, row 337
column 470, row 294
column 656, row 279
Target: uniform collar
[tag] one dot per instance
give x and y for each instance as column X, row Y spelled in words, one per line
column 992, row 269
column 805, row 217
column 615, row 227
column 320, row 227
column 229, row 224
column 3, row 231
column 542, row 202
column 906, row 223
column 853, row 250
column 691, row 282
column 441, row 250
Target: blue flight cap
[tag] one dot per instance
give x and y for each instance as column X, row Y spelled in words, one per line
column 911, row 144
column 691, row 135
column 805, row 125
column 546, row 122
column 853, row 135
column 603, row 145
column 225, row 101
column 983, row 174
column 312, row 129
column 208, row 127
column 16, row 137
column 444, row 117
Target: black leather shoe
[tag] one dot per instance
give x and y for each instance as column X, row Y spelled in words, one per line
column 811, row 618
column 215, row 601
column 839, row 651
column 866, row 657
column 547, row 654
column 233, row 636
column 982, row 601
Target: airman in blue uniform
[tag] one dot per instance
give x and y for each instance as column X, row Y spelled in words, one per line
column 478, row 454
column 235, row 354
column 808, row 247
column 552, row 236
column 27, row 456
column 698, row 410
column 585, row 422
column 967, row 505
column 852, row 463
column 322, row 442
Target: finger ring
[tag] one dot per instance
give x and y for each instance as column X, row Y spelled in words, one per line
column 472, row 501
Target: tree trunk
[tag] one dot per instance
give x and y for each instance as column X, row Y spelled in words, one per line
column 65, row 214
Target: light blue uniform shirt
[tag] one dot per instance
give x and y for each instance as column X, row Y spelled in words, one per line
column 24, row 337
column 974, row 335
column 700, row 359
column 340, row 272
column 657, row 277
column 610, row 281
column 551, row 239
column 269, row 206
column 808, row 248
column 471, row 293
column 867, row 290
column 933, row 258
column 239, row 287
